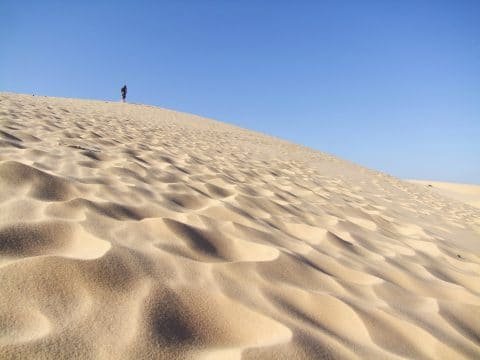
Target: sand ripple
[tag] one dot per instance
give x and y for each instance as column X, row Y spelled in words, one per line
column 132, row 232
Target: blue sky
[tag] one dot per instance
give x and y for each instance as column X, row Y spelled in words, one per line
column 391, row 85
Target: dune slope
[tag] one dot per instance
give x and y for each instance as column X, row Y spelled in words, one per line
column 133, row 232
column 467, row 193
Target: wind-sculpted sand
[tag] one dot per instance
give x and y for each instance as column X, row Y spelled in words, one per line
column 133, row 232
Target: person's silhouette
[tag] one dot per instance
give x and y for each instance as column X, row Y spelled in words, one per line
column 124, row 92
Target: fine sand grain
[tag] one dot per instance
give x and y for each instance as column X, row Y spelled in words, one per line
column 133, row 232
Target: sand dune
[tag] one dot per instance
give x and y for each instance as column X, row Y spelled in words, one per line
column 133, row 232
column 467, row 193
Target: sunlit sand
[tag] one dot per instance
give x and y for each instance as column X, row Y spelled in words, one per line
column 133, row 232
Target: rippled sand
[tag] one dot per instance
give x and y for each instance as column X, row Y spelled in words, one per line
column 132, row 232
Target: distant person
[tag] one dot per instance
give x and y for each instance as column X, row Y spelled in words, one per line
column 124, row 92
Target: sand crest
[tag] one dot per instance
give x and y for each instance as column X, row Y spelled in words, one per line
column 133, row 232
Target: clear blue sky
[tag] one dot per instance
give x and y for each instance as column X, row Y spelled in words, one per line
column 392, row 85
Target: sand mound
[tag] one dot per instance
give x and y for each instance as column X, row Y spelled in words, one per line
column 467, row 193
column 129, row 231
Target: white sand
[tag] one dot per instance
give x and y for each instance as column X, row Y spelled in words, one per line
column 132, row 232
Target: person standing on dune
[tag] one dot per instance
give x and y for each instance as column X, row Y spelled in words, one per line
column 124, row 92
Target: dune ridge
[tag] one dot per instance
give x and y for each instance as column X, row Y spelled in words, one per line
column 129, row 231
